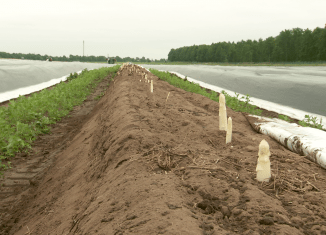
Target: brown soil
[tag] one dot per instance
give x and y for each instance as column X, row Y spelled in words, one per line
column 133, row 163
column 265, row 112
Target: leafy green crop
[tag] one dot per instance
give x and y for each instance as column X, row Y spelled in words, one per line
column 25, row 118
column 284, row 117
column 232, row 102
column 184, row 84
column 243, row 106
column 311, row 121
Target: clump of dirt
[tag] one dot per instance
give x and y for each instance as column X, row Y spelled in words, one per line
column 138, row 164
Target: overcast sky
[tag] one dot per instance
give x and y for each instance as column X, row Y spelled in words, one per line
column 147, row 28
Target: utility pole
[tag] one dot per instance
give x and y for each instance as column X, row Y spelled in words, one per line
column 83, row 48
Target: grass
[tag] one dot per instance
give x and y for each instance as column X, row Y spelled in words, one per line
column 25, row 118
column 232, row 102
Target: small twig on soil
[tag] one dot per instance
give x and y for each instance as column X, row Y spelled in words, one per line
column 233, row 163
column 152, row 149
column 315, row 176
column 313, row 186
column 275, row 176
column 211, row 142
column 166, row 163
column 167, row 98
column 28, row 232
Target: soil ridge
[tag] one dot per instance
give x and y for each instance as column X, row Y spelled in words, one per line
column 142, row 164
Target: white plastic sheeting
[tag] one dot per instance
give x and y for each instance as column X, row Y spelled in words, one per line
column 306, row 141
column 30, row 89
column 281, row 109
column 28, row 74
column 299, row 87
column 21, row 77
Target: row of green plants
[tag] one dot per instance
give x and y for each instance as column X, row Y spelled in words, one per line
column 232, row 102
column 241, row 104
column 308, row 121
column 25, row 118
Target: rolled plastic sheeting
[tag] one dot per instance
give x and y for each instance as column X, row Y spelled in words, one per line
column 306, row 141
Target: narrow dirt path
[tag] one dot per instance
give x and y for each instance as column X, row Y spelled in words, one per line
column 138, row 164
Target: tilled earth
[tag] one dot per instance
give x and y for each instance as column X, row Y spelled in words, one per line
column 135, row 162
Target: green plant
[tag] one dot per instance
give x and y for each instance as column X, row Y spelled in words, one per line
column 99, row 96
column 232, row 102
column 238, row 105
column 72, row 76
column 184, row 84
column 284, row 117
column 25, row 118
column 4, row 166
column 310, row 121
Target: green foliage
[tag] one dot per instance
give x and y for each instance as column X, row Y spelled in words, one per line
column 72, row 76
column 54, row 58
column 243, row 106
column 295, row 45
column 184, row 84
column 75, row 75
column 311, row 121
column 25, row 118
column 284, row 117
column 93, row 59
column 99, row 96
column 232, row 102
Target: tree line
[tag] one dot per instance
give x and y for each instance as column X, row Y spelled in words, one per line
column 294, row 45
column 74, row 58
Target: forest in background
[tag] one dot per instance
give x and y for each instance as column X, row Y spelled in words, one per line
column 73, row 58
column 294, row 45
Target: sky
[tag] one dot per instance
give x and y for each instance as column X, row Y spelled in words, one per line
column 148, row 28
